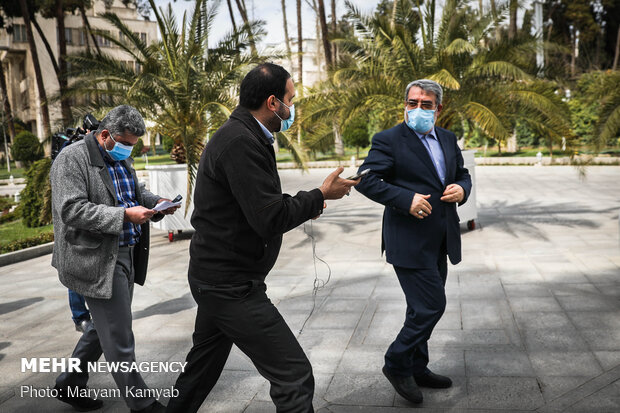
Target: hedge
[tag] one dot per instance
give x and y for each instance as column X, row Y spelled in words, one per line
column 27, row 242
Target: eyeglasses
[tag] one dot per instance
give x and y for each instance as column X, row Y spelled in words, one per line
column 425, row 104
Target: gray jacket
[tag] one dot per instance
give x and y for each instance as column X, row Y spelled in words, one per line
column 88, row 221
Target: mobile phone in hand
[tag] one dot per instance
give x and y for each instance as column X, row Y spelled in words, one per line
column 359, row 175
column 177, row 198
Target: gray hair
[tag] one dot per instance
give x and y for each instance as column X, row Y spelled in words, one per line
column 123, row 119
column 427, row 86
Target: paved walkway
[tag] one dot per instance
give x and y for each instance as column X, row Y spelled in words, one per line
column 532, row 323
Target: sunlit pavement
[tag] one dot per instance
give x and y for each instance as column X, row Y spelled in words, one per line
column 532, row 322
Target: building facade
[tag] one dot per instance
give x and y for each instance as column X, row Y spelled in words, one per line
column 19, row 70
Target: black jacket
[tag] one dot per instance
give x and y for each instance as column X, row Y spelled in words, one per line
column 240, row 212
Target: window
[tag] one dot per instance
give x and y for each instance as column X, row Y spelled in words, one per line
column 143, row 37
column 82, row 37
column 138, row 67
column 101, row 41
column 68, row 35
column 19, row 33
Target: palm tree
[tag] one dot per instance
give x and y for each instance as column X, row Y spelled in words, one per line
column 187, row 89
column 488, row 85
column 45, row 114
column 605, row 92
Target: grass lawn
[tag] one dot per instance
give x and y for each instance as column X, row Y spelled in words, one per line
column 15, row 230
column 16, row 172
column 139, row 163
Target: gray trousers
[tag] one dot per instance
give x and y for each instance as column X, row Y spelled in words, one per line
column 111, row 334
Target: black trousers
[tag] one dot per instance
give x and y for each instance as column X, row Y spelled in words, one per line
column 426, row 302
column 243, row 315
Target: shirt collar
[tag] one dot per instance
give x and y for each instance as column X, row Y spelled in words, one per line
column 432, row 133
column 268, row 134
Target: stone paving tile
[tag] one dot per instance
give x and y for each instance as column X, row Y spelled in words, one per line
column 360, row 390
column 606, row 400
column 509, row 363
column 504, row 393
column 566, row 363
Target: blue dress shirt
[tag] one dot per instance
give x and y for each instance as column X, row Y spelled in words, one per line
column 432, row 145
column 268, row 134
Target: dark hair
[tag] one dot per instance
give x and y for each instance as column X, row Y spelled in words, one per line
column 261, row 82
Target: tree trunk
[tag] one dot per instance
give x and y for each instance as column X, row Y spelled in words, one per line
column 325, row 35
column 62, row 64
column 287, row 39
column 246, row 21
column 512, row 28
column 393, row 18
column 319, row 39
column 89, row 30
column 615, row 65
column 8, row 114
column 232, row 15
column 334, row 29
column 45, row 114
column 35, row 23
column 481, row 8
column 338, row 143
column 300, row 61
column 300, row 49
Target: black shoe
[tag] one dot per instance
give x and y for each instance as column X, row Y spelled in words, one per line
column 156, row 407
column 83, row 325
column 405, row 386
column 79, row 403
column 434, row 381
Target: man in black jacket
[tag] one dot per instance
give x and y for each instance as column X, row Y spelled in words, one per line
column 240, row 214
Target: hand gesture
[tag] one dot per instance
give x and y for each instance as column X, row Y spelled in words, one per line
column 420, row 207
column 335, row 187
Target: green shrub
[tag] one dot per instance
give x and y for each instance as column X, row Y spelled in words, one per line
column 35, row 198
column 11, row 216
column 137, row 149
column 43, row 238
column 6, row 202
column 26, row 148
column 167, row 142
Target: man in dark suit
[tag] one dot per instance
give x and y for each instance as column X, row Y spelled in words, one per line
column 240, row 214
column 417, row 173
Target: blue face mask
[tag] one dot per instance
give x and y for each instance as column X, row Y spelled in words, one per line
column 421, row 120
column 119, row 151
column 285, row 124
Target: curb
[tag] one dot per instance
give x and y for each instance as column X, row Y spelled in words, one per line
column 25, row 254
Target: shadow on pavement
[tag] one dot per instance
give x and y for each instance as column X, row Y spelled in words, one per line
column 18, row 305
column 167, row 307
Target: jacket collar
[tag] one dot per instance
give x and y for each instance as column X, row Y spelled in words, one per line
column 243, row 115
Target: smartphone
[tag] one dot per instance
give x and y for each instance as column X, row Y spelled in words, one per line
column 177, row 198
column 359, row 175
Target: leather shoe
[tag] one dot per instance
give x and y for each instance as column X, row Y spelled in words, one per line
column 83, row 325
column 79, row 403
column 156, row 407
column 433, row 381
column 405, row 386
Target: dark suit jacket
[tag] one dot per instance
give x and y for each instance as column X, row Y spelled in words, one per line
column 401, row 167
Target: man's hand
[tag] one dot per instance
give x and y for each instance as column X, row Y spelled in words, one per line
column 335, row 187
column 138, row 215
column 420, row 207
column 324, row 206
column 170, row 210
column 453, row 193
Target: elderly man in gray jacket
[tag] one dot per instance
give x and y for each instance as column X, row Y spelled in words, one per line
column 101, row 234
